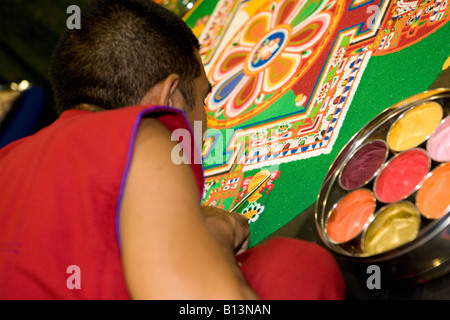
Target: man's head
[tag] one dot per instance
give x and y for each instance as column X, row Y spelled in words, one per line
column 123, row 51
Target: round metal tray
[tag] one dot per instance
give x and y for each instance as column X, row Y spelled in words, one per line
column 422, row 259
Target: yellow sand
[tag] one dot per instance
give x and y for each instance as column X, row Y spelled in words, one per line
column 415, row 126
column 393, row 226
column 257, row 178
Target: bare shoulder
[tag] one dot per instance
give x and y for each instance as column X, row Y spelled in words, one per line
column 152, row 131
column 152, row 169
column 153, row 149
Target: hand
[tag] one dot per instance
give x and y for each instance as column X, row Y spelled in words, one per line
column 230, row 229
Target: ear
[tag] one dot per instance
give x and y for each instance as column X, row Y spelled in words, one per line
column 163, row 93
column 168, row 91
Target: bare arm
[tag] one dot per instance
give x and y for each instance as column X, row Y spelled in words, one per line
column 167, row 250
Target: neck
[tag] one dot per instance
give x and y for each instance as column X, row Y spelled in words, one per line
column 88, row 107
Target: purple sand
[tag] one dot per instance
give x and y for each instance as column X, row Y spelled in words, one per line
column 363, row 164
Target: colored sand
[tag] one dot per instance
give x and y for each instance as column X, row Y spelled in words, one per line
column 350, row 215
column 402, row 175
column 394, row 225
column 415, row 126
column 438, row 145
column 363, row 164
column 433, row 198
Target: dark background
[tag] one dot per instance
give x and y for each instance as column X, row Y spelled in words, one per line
column 29, row 30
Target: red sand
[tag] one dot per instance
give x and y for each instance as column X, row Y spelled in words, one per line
column 402, row 175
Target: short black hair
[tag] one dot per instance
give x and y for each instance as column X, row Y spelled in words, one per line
column 123, row 48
